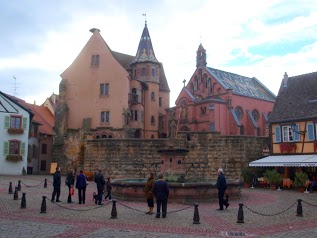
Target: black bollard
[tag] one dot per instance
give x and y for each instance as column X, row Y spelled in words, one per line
column 43, row 206
column 45, row 183
column 196, row 215
column 299, row 208
column 19, row 185
column 240, row 214
column 10, row 188
column 114, row 210
column 16, row 195
column 23, row 201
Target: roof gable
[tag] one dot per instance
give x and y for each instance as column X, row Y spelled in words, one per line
column 297, row 99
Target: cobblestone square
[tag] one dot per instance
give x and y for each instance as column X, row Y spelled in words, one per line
column 266, row 214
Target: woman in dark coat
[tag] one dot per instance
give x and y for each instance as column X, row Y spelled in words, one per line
column 70, row 180
column 148, row 193
column 81, row 184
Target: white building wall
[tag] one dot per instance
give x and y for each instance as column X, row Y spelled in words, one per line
column 10, row 167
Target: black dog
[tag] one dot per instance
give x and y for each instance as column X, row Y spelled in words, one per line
column 95, row 197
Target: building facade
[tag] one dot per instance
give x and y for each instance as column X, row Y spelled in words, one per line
column 293, row 125
column 107, row 94
column 215, row 100
column 14, row 131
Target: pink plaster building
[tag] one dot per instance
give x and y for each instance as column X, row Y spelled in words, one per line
column 113, row 95
column 215, row 100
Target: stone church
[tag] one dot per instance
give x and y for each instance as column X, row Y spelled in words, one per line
column 215, row 100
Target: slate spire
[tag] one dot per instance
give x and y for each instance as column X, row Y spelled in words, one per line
column 145, row 51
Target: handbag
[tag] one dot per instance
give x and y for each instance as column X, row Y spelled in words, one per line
column 72, row 191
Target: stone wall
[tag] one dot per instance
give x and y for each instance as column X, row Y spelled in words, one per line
column 134, row 158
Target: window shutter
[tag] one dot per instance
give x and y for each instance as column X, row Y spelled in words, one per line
column 277, row 134
column 6, row 122
column 22, row 149
column 5, row 148
column 296, row 133
column 24, row 123
column 31, row 151
column 310, row 131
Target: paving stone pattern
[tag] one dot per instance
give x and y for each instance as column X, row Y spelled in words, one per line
column 266, row 214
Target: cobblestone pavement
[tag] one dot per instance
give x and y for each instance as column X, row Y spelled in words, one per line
column 266, row 214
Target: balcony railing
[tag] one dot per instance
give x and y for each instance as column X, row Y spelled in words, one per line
column 133, row 98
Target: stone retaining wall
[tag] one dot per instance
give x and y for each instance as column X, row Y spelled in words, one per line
column 134, row 158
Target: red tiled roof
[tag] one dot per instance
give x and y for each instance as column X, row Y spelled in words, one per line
column 42, row 115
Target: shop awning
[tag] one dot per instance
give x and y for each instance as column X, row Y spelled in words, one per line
column 286, row 161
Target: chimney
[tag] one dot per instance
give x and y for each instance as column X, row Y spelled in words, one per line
column 92, row 30
column 285, row 80
column 34, row 102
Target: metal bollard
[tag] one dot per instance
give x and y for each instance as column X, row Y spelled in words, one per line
column 10, row 188
column 114, row 210
column 299, row 208
column 43, row 206
column 45, row 183
column 240, row 214
column 16, row 195
column 19, row 185
column 196, row 214
column 23, row 201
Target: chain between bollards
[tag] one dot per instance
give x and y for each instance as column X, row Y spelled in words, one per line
column 114, row 210
column 196, row 214
column 23, row 201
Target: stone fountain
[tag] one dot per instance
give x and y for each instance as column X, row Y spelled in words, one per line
column 182, row 188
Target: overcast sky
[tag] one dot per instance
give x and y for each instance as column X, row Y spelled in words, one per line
column 264, row 39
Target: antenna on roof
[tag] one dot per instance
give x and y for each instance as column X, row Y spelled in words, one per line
column 144, row 14
column 15, row 86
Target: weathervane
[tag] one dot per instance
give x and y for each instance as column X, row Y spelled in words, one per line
column 144, row 14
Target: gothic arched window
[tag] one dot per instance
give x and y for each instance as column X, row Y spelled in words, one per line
column 239, row 112
column 255, row 115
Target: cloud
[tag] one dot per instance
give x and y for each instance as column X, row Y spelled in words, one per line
column 48, row 40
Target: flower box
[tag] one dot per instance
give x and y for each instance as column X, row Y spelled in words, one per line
column 288, row 147
column 15, row 131
column 14, row 158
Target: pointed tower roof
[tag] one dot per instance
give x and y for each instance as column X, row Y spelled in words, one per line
column 145, row 50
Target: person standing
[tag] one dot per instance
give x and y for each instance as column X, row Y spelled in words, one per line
column 161, row 192
column 70, row 180
column 109, row 188
column 56, row 185
column 81, row 184
column 100, row 181
column 221, row 186
column 148, row 193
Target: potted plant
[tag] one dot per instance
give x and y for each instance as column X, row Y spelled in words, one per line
column 273, row 178
column 247, row 176
column 300, row 180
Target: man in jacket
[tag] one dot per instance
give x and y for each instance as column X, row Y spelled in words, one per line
column 221, row 186
column 56, row 185
column 100, row 181
column 161, row 192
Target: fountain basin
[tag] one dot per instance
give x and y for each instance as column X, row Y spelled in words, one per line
column 189, row 192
